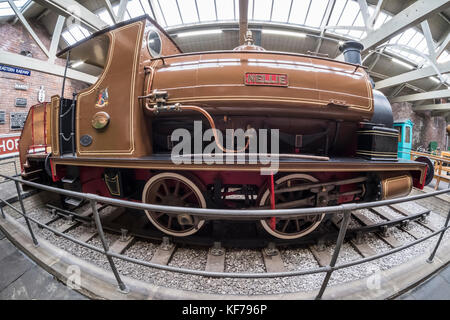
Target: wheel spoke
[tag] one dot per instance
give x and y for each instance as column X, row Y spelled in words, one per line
column 177, row 188
column 297, row 224
column 285, row 225
column 166, row 189
column 169, row 223
column 157, row 215
column 187, row 195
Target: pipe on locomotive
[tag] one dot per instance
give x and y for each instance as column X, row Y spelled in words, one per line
column 160, row 106
column 179, row 107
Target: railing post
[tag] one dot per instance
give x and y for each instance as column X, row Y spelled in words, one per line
column 430, row 259
column 3, row 214
column 122, row 287
column 19, row 195
column 339, row 242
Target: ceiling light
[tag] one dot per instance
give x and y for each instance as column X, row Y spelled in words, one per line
column 284, row 33
column 407, row 65
column 435, row 79
column 77, row 64
column 198, row 33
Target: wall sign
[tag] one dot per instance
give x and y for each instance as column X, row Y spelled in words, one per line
column 21, row 86
column 9, row 145
column 41, row 94
column 17, row 120
column 2, row 117
column 21, row 102
column 15, row 70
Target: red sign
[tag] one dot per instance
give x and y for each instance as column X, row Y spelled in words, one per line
column 266, row 79
column 9, row 145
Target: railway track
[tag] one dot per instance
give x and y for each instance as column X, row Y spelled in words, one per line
column 133, row 226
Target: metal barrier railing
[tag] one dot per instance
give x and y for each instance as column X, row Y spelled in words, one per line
column 225, row 213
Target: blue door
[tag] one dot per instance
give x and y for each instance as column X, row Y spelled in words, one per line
column 404, row 138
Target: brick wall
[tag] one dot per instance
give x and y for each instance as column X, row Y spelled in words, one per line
column 426, row 128
column 15, row 38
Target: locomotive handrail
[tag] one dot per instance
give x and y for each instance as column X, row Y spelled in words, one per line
column 329, row 269
column 228, row 213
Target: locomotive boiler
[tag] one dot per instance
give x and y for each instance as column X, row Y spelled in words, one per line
column 329, row 130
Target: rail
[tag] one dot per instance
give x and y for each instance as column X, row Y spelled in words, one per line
column 217, row 214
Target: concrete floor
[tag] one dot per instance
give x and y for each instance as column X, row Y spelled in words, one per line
column 22, row 279
column 435, row 288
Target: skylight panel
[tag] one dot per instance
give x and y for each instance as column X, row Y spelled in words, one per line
column 170, row 10
column 359, row 22
column 159, row 16
column 225, row 9
column 104, row 15
column 337, row 11
column 68, row 38
column 349, row 14
column 206, row 10
column 6, row 12
column 395, row 39
column 250, row 9
column 188, row 11
column 316, row 12
column 444, row 57
column 262, row 10
column 407, row 36
column 416, row 39
column 422, row 46
column 382, row 18
column 299, row 10
column 134, row 8
column 356, row 34
column 76, row 32
column 145, row 4
column 85, row 31
column 5, row 9
column 280, row 10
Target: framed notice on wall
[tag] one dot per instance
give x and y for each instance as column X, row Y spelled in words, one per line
column 2, row 117
column 21, row 102
column 17, row 120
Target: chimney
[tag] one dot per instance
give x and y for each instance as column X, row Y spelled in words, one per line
column 352, row 51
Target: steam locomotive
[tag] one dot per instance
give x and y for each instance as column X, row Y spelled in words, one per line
column 329, row 131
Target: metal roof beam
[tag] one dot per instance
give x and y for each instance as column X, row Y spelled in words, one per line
column 243, row 20
column 71, row 8
column 423, row 96
column 325, row 21
column 429, row 39
column 28, row 27
column 17, row 60
column 123, row 7
column 55, row 38
column 433, row 107
column 365, row 14
column 110, row 10
column 442, row 44
column 412, row 75
column 415, row 13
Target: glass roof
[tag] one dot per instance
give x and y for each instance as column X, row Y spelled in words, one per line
column 5, row 9
column 304, row 13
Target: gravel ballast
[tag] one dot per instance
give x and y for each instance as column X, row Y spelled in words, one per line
column 248, row 260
